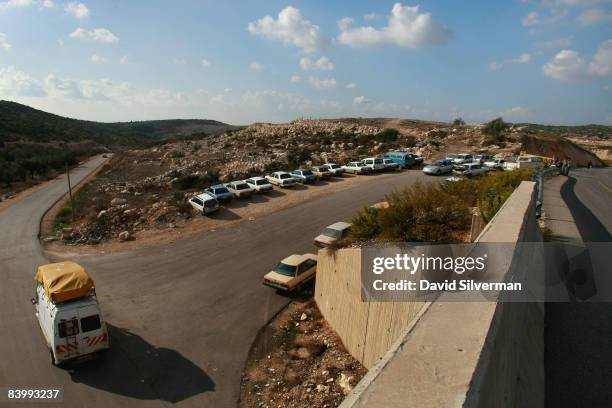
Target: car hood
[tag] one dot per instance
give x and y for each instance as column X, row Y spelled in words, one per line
column 324, row 239
column 277, row 277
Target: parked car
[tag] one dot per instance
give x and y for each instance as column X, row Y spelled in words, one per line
column 469, row 170
column 204, row 203
column 335, row 169
column 281, row 179
column 463, row 158
column 321, row 172
column 404, row 159
column 525, row 162
column 439, row 167
column 374, row 163
column 304, row 176
column 259, row 184
column 220, row 192
column 292, row 272
column 482, row 158
column 496, row 164
column 390, row 164
column 332, row 233
column 357, row 168
column 239, row 189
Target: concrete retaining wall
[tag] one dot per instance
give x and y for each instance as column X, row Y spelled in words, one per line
column 474, row 354
column 367, row 329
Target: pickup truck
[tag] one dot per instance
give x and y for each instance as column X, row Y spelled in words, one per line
column 281, row 179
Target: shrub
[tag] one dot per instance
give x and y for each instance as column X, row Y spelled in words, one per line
column 193, row 181
column 494, row 189
column 297, row 155
column 458, row 122
column 387, row 135
column 494, row 131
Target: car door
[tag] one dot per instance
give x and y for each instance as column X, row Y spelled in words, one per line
column 93, row 334
column 305, row 270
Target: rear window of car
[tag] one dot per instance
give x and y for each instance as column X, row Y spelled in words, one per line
column 68, row 328
column 196, row 201
column 261, row 182
column 307, row 173
column 242, row 186
column 285, row 269
column 332, row 233
column 90, row 323
column 378, row 161
column 221, row 190
column 284, row 176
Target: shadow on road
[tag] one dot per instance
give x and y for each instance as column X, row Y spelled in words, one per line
column 224, row 214
column 589, row 226
column 137, row 369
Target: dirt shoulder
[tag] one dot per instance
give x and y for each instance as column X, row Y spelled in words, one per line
column 298, row 361
column 238, row 210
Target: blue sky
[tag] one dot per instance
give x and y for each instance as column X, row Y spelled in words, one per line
column 546, row 61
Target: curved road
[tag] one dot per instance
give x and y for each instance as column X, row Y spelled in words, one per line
column 182, row 316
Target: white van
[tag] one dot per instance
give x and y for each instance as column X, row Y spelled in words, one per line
column 68, row 312
column 204, row 203
column 374, row 163
column 525, row 162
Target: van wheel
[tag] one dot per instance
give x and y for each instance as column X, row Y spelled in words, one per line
column 52, row 357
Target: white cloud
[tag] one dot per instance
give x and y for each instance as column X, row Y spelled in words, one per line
column 98, row 59
column 322, row 83
column 227, row 90
column 256, row 66
column 535, row 19
column 406, row 28
column 568, row 65
column 16, row 4
column 516, row 112
column 556, row 43
column 593, row 16
column 295, row 79
column 360, row 100
column 97, row 34
column 521, row 59
column 351, row 86
column 123, row 60
column 205, row 62
column 47, row 4
column 4, row 44
column 322, row 64
column 77, row 10
column 290, row 28
column 18, row 83
column 344, row 23
column 372, row 16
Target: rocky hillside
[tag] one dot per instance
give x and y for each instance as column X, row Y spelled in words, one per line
column 147, row 188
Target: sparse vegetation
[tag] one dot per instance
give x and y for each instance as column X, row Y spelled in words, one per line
column 458, row 122
column 494, row 131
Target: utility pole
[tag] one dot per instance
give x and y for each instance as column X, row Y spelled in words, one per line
column 70, row 192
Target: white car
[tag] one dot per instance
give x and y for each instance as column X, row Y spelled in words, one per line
column 334, row 169
column 497, row 164
column 281, row 179
column 204, row 203
column 332, row 233
column 357, row 168
column 259, row 184
column 390, row 164
column 525, row 162
column 463, row 158
column 469, row 170
column 239, row 189
column 374, row 163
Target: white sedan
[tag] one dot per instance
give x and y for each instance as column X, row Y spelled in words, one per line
column 259, row 184
column 357, row 168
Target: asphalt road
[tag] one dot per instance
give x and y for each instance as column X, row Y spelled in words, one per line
column 182, row 316
column 578, row 336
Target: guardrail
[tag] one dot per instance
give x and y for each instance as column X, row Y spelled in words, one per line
column 539, row 179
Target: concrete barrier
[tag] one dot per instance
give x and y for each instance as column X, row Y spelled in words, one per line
column 473, row 354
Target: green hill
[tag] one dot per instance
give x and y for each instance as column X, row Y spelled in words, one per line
column 23, row 123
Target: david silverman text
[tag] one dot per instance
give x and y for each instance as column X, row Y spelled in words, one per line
column 464, row 284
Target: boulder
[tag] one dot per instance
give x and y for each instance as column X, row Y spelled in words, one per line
column 125, row 236
column 118, row 201
column 345, row 383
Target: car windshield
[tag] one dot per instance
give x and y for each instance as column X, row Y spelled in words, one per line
column 307, row 173
column 284, row 176
column 285, row 269
column 221, row 190
column 332, row 233
column 438, row 163
column 261, row 182
column 334, row 166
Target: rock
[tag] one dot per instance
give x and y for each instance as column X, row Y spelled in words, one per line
column 329, row 380
column 322, row 388
column 102, row 214
column 303, row 317
column 137, row 193
column 51, row 238
column 345, row 383
column 118, row 201
column 171, row 225
column 125, row 236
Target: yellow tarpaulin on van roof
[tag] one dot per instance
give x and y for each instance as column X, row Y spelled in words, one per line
column 64, row 281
